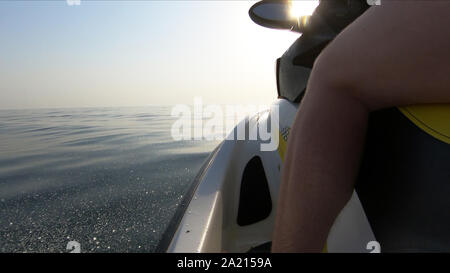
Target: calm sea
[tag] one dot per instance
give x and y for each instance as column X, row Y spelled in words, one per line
column 108, row 178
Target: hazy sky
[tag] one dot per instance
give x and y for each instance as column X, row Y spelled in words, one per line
column 126, row 53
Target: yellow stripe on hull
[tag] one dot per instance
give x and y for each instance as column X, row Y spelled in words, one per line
column 434, row 119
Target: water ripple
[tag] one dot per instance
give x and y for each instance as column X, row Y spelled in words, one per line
column 109, row 178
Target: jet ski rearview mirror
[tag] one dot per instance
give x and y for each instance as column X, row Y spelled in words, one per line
column 277, row 14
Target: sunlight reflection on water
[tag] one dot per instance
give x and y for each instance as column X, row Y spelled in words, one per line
column 108, row 178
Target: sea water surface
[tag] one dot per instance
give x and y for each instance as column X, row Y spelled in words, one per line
column 108, row 178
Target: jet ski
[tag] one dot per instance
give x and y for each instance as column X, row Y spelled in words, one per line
column 401, row 198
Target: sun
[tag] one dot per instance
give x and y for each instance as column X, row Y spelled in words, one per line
column 300, row 8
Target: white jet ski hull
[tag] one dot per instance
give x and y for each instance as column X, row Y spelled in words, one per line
column 210, row 220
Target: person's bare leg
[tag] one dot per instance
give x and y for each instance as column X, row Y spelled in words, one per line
column 395, row 54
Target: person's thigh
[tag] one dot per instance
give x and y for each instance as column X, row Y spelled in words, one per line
column 394, row 54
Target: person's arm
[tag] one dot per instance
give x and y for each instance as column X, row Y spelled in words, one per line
column 394, row 54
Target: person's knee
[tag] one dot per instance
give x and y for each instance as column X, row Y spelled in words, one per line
column 337, row 74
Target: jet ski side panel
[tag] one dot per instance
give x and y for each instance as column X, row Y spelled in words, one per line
column 210, row 223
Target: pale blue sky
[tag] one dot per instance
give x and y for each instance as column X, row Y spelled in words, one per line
column 132, row 53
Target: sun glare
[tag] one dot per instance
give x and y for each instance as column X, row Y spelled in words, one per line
column 301, row 8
